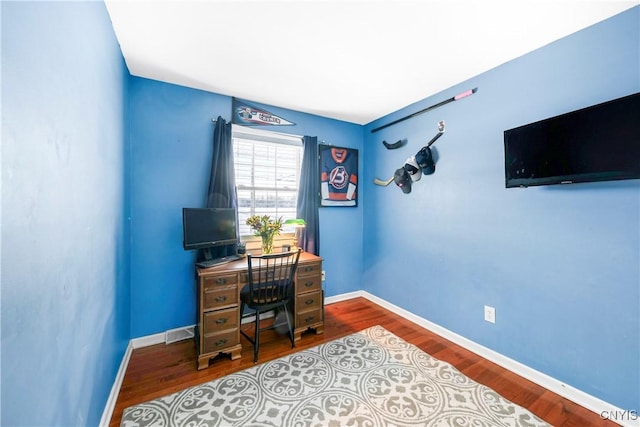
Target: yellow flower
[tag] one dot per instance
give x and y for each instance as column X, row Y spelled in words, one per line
column 264, row 225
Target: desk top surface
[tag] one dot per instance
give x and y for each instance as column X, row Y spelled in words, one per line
column 241, row 264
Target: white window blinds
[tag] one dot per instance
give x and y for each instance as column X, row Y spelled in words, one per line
column 267, row 167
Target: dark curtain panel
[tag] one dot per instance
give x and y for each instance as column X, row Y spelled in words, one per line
column 309, row 196
column 222, row 182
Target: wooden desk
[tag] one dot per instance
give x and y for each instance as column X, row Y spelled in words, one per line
column 218, row 305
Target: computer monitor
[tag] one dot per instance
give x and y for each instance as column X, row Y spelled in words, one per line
column 208, row 227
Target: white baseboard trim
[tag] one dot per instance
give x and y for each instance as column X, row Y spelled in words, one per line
column 115, row 389
column 626, row 418
column 117, row 384
column 148, row 340
column 344, row 297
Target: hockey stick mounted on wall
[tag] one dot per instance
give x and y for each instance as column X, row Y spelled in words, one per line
column 441, row 129
column 439, row 104
column 395, row 145
column 382, row 182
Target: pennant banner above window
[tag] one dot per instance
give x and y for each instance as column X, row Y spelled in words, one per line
column 248, row 115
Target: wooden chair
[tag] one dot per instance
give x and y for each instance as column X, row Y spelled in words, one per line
column 270, row 288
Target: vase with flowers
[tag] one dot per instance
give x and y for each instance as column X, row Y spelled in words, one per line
column 266, row 228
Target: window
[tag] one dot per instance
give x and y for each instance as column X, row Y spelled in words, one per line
column 267, row 166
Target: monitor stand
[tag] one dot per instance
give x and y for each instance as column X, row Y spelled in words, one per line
column 206, row 253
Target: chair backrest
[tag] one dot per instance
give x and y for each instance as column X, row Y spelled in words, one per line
column 271, row 276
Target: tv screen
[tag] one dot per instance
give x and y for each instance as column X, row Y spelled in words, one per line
column 597, row 143
column 208, row 227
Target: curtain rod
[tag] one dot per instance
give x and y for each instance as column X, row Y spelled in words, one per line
column 215, row 119
column 285, row 134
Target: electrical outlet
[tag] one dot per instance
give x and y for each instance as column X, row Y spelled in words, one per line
column 489, row 314
column 324, row 276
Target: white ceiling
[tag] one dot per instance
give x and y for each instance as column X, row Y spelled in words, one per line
column 354, row 60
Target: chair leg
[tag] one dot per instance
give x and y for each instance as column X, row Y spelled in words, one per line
column 245, row 334
column 289, row 327
column 256, row 335
column 256, row 338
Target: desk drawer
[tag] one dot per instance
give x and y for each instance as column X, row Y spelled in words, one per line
column 308, row 284
column 219, row 280
column 218, row 342
column 307, row 318
column 221, row 297
column 309, row 269
column 308, row 301
column 220, row 320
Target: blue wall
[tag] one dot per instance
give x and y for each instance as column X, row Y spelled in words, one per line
column 560, row 263
column 65, row 303
column 171, row 137
column 80, row 138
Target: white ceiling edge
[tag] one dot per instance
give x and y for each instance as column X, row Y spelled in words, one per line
column 354, row 60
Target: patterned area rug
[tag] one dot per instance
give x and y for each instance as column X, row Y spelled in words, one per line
column 370, row 378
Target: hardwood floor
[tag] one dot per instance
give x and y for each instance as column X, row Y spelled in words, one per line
column 161, row 369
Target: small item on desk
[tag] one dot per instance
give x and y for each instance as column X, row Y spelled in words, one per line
column 298, row 224
column 242, row 248
column 208, row 263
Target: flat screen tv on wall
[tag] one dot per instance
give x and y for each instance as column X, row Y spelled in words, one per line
column 597, row 143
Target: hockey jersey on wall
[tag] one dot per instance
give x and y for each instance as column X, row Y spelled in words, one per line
column 338, row 176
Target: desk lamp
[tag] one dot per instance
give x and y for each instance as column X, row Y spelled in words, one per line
column 298, row 224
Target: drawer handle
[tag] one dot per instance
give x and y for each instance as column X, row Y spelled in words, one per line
column 221, row 298
column 221, row 281
column 308, row 319
column 309, row 301
column 221, row 342
column 307, row 269
column 221, row 321
column 309, row 284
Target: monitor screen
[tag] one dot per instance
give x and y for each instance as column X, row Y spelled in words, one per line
column 597, row 143
column 208, row 227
